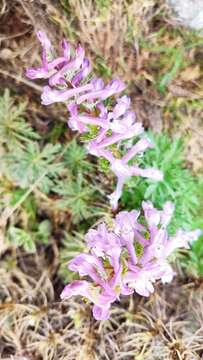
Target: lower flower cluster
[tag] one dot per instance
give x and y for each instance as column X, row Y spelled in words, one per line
column 128, row 257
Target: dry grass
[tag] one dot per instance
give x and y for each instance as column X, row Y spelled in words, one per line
column 112, row 34
column 36, row 325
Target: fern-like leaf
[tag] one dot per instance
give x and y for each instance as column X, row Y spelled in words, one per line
column 14, row 130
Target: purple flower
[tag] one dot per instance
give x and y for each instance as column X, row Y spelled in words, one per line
column 68, row 82
column 126, row 226
column 47, row 50
column 129, row 257
column 123, row 171
column 140, row 280
column 123, row 104
column 105, row 244
column 49, row 64
column 105, row 288
column 50, row 96
column 83, row 73
column 119, row 166
column 101, row 299
column 102, row 92
column 70, row 68
column 104, row 269
column 182, row 239
column 80, row 122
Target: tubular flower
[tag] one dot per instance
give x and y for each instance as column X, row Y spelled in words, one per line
column 129, row 257
column 104, row 269
column 122, row 125
column 121, row 168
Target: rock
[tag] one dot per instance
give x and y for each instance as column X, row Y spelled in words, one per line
column 190, row 12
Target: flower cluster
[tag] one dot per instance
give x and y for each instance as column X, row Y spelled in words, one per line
column 110, row 129
column 132, row 254
column 127, row 258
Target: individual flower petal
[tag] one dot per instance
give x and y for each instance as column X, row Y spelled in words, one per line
column 142, row 145
column 141, row 281
column 66, row 49
column 50, row 96
column 100, row 92
column 47, row 50
column 167, row 213
column 86, row 69
column 77, row 287
column 69, row 68
column 151, row 214
column 122, row 106
column 87, row 264
column 73, row 121
column 100, row 313
column 121, row 169
column 115, row 196
column 182, row 239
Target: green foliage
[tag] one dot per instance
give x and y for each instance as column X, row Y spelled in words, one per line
column 28, row 238
column 20, row 237
column 179, row 185
column 73, row 244
column 175, row 63
column 75, row 158
column 193, row 260
column 103, row 4
column 102, row 68
column 43, row 232
column 169, row 54
column 35, row 169
column 103, row 164
column 14, row 130
column 28, row 165
column 76, row 197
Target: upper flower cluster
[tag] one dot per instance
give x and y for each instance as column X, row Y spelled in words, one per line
column 129, row 257
column 70, row 81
